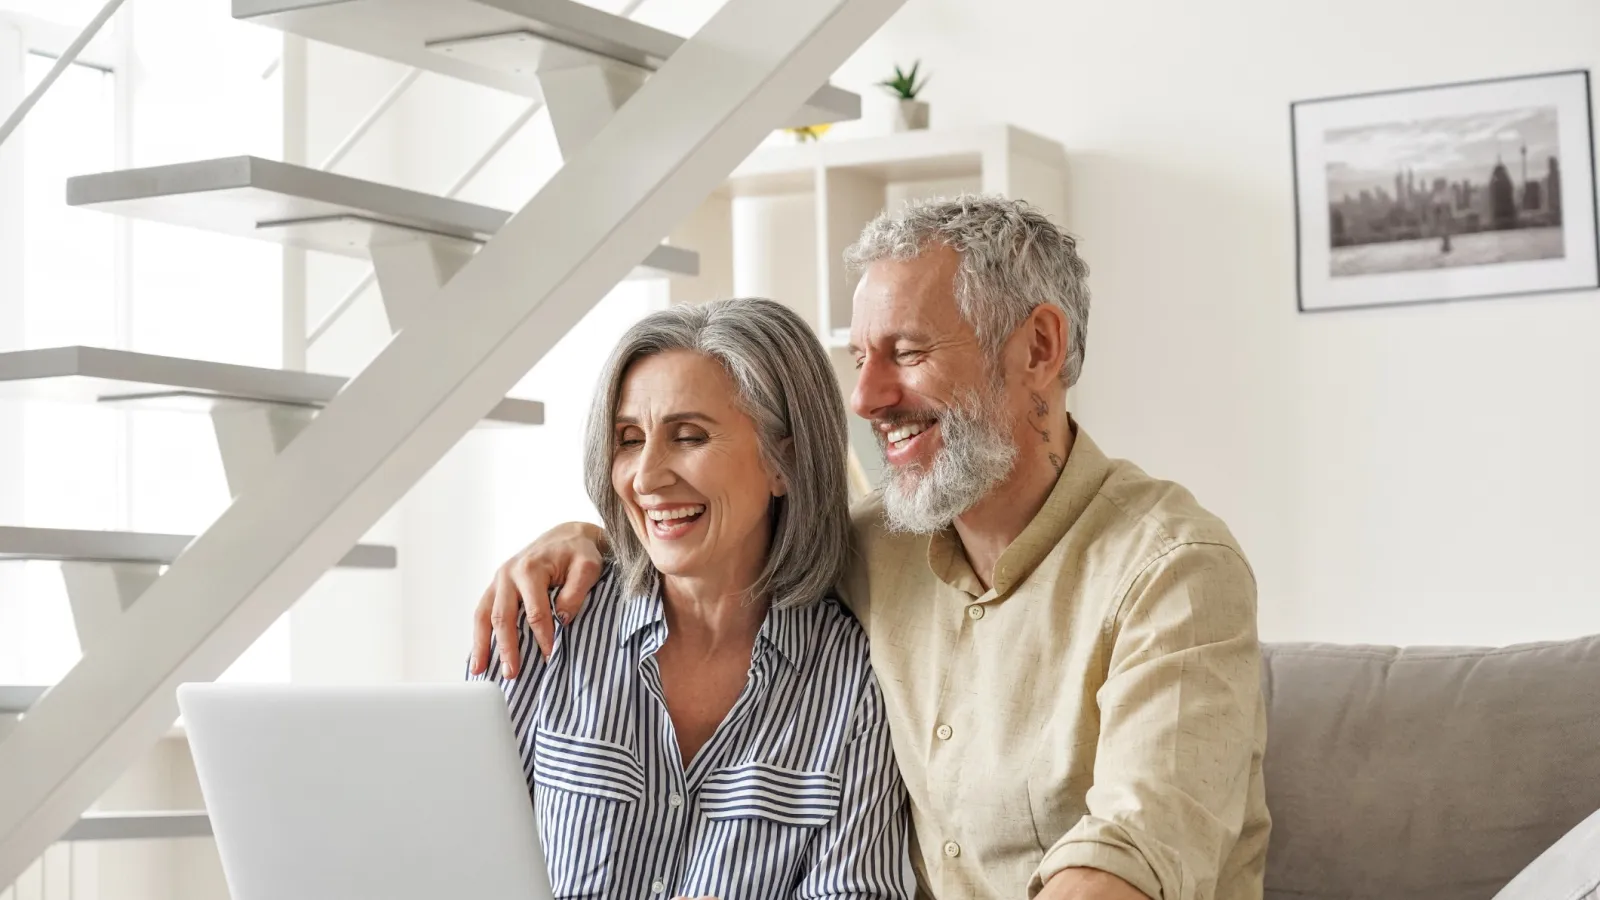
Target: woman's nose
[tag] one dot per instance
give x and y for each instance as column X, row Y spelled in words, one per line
column 654, row 472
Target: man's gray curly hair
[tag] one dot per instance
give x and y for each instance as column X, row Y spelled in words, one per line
column 1013, row 258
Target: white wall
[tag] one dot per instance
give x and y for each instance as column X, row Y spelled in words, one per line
column 1414, row 476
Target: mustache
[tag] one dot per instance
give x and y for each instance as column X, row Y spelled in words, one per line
column 903, row 415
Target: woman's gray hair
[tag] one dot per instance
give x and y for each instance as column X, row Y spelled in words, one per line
column 1013, row 258
column 787, row 386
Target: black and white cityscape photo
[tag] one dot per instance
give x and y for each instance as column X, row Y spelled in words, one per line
column 1456, row 191
column 1446, row 192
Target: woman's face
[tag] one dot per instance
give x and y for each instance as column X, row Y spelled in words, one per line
column 688, row 468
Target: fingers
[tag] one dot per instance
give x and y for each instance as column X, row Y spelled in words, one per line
column 503, row 621
column 481, row 630
column 581, row 576
column 534, row 586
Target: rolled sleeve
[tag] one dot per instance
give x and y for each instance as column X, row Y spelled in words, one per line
column 1178, row 730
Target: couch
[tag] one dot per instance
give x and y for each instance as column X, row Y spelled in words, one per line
column 1425, row 772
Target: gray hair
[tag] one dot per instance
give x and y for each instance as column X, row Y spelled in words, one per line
column 1013, row 258
column 787, row 386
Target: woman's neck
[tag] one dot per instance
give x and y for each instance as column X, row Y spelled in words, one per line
column 712, row 613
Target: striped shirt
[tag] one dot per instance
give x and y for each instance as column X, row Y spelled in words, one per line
column 796, row 794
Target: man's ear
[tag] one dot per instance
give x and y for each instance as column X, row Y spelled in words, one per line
column 1046, row 333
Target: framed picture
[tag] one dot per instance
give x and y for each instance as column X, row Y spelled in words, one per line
column 1477, row 189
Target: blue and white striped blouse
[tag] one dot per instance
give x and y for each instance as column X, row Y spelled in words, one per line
column 796, row 795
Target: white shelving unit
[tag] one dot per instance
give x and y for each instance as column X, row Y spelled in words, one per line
column 781, row 223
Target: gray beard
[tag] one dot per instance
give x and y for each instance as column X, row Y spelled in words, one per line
column 977, row 456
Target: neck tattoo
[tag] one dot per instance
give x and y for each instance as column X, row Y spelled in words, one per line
column 1036, row 420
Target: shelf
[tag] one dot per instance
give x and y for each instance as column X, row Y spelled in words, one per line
column 907, row 156
column 72, row 545
column 502, row 44
column 126, row 378
column 139, row 826
column 306, row 208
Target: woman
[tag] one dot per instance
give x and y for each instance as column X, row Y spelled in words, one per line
column 708, row 723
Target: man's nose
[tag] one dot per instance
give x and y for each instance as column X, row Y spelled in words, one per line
column 877, row 388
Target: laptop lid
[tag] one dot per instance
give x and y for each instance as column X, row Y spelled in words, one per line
column 394, row 792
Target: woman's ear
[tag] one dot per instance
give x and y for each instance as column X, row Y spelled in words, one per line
column 780, row 487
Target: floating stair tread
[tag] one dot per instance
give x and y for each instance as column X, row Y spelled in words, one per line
column 100, row 375
column 137, row 826
column 307, row 208
column 19, row 698
column 503, row 44
column 64, row 545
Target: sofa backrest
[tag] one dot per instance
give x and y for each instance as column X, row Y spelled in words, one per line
column 1424, row 772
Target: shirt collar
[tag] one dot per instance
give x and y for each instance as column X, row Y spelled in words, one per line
column 785, row 630
column 639, row 612
column 1080, row 480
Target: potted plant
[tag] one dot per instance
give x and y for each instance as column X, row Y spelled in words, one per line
column 910, row 114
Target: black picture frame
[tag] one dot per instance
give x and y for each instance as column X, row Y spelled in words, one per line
column 1454, row 237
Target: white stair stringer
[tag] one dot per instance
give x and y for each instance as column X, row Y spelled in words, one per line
column 667, row 149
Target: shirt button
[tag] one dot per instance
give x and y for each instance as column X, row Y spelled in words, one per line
column 675, row 800
column 944, row 732
column 658, row 887
column 952, row 849
column 974, row 612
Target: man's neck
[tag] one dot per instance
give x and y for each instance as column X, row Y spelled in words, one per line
column 989, row 527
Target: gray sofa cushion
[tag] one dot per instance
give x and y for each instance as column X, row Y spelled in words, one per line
column 1568, row 871
column 1425, row 772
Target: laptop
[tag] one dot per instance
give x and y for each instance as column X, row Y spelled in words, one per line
column 402, row 792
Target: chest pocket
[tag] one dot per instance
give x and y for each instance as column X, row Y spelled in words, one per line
column 587, row 792
column 760, row 791
column 761, row 806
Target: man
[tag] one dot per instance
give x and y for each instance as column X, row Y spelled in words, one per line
column 1067, row 647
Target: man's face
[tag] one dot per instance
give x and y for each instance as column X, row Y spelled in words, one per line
column 938, row 407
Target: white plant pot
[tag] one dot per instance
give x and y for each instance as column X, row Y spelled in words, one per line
column 910, row 115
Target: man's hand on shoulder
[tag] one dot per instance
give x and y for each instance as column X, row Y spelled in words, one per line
column 1088, row 884
column 569, row 556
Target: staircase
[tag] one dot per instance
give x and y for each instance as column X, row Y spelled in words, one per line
column 647, row 124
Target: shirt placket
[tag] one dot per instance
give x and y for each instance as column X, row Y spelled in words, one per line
column 950, row 740
column 670, row 777
column 684, row 785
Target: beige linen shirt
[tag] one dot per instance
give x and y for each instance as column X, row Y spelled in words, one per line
column 1099, row 706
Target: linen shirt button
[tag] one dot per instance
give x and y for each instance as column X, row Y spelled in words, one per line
column 952, row 849
column 974, row 612
column 658, row 887
column 944, row 732
column 675, row 800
